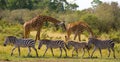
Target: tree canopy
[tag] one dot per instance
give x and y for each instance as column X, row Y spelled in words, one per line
column 57, row 5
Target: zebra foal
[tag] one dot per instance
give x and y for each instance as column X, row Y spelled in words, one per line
column 78, row 45
column 20, row 43
column 53, row 44
column 102, row 44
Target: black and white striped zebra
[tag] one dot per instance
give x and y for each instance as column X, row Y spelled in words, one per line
column 102, row 44
column 53, row 44
column 79, row 45
column 20, row 43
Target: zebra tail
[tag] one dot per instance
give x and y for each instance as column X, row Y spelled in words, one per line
column 112, row 43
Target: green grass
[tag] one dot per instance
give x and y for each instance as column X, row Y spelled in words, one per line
column 5, row 56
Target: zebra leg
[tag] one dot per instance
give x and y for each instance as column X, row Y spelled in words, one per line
column 73, row 52
column 45, row 51
column 52, row 51
column 19, row 50
column 88, row 52
column 60, row 52
column 113, row 52
column 100, row 52
column 109, row 52
column 12, row 51
column 77, row 52
column 35, row 51
column 65, row 51
column 29, row 51
column 93, row 52
column 83, row 52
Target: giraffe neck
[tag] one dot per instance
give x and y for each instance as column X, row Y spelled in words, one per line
column 90, row 31
column 53, row 20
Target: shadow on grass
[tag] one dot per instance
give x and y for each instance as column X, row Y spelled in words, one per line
column 68, row 57
column 5, row 60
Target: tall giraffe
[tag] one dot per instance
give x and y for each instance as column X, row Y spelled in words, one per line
column 77, row 28
column 36, row 24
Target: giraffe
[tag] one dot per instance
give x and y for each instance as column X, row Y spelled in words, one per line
column 36, row 24
column 77, row 28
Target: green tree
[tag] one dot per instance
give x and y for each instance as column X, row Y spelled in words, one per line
column 20, row 4
column 3, row 4
column 108, row 14
column 72, row 6
column 91, row 19
column 116, row 14
column 96, row 3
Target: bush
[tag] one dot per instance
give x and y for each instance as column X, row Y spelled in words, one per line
column 114, row 35
column 10, row 29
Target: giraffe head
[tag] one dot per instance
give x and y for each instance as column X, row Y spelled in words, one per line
column 62, row 24
column 66, row 38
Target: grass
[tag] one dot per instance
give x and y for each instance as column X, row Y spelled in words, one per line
column 5, row 54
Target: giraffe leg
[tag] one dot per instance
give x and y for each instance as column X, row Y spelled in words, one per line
column 79, row 36
column 26, row 33
column 68, row 35
column 37, row 35
column 36, row 38
column 75, row 35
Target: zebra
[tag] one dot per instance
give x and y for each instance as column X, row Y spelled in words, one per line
column 20, row 43
column 53, row 44
column 102, row 44
column 78, row 45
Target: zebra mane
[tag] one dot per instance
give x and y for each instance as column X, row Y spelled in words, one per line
column 71, row 42
column 44, row 41
column 94, row 39
column 12, row 39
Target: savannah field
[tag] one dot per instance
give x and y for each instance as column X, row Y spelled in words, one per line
column 5, row 54
column 102, row 17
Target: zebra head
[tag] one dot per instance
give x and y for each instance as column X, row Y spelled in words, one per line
column 40, row 44
column 67, row 38
column 62, row 24
column 91, row 41
column 69, row 44
column 9, row 39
